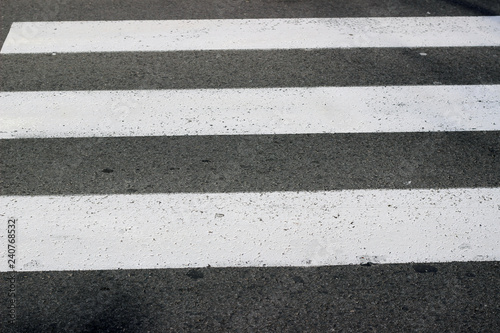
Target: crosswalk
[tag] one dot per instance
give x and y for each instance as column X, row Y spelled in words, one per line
column 250, row 142
column 458, row 223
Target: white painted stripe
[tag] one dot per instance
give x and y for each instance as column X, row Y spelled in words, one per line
column 249, row 111
column 253, row 229
column 303, row 33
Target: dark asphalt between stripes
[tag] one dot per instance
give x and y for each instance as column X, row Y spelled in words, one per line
column 452, row 297
column 249, row 163
column 248, row 69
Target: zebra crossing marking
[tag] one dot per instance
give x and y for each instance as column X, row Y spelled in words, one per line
column 250, row 111
column 100, row 232
column 237, row 34
column 253, row 229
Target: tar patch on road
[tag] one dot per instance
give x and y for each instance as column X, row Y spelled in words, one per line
column 195, row 274
column 423, row 268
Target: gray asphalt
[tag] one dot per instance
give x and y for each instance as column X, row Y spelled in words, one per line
column 445, row 297
column 249, row 69
column 456, row 297
column 250, row 163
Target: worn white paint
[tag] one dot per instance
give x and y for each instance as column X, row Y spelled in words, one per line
column 91, row 232
column 249, row 111
column 303, row 33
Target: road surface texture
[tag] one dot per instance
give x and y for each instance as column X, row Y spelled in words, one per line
column 295, row 172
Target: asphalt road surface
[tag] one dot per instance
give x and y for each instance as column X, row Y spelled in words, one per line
column 106, row 232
